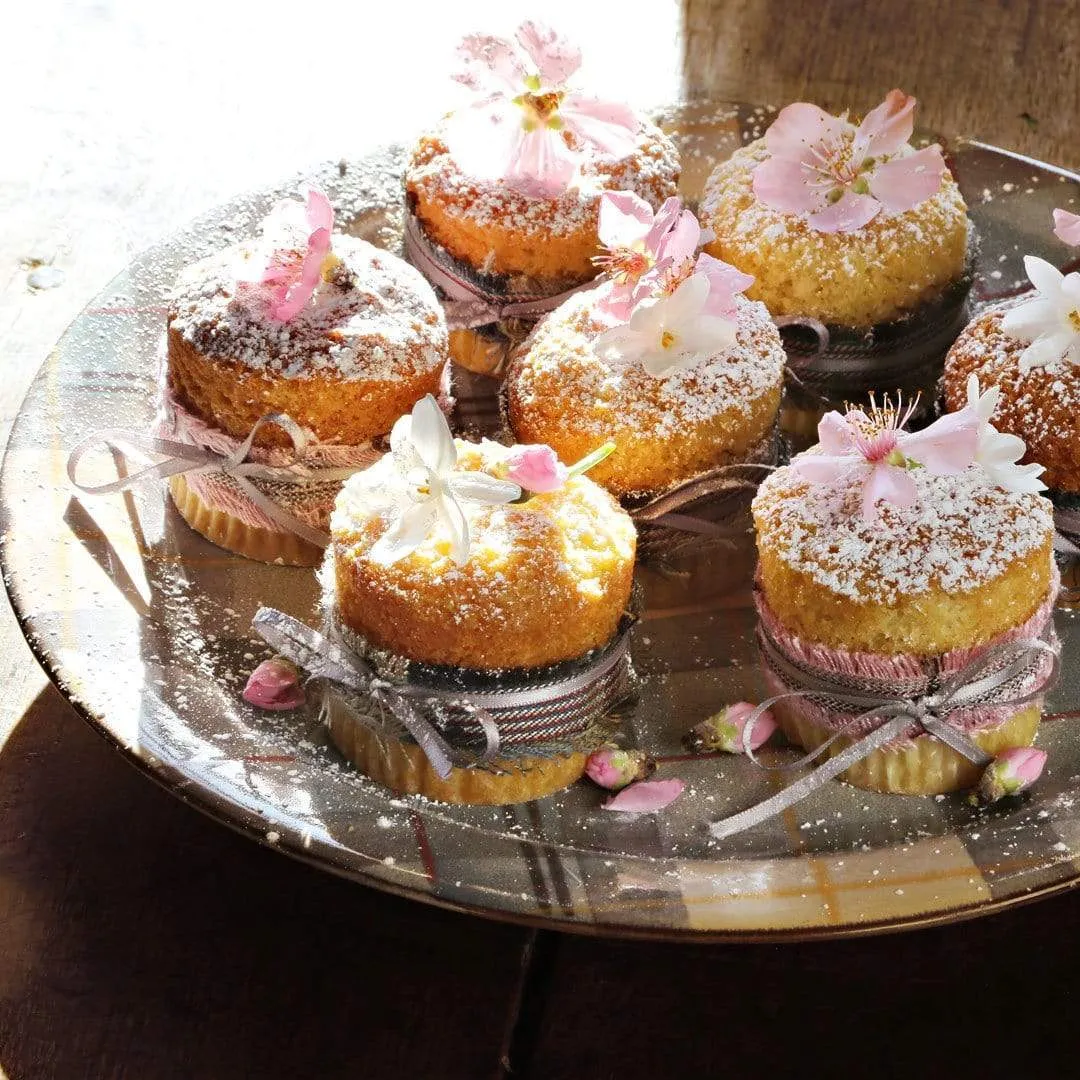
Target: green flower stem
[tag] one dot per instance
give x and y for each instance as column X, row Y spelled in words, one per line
column 590, row 461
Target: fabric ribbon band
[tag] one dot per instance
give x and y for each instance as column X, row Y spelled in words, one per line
column 181, row 458
column 1001, row 675
column 1067, row 522
column 840, row 363
column 664, row 528
column 504, row 718
column 467, row 303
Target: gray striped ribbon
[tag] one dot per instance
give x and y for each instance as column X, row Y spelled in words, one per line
column 184, row 458
column 999, row 676
column 1067, row 522
column 468, row 303
column 529, row 709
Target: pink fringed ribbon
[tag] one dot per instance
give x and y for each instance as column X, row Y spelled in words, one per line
column 467, row 303
column 880, row 708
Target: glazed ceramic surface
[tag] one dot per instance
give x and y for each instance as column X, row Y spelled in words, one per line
column 145, row 627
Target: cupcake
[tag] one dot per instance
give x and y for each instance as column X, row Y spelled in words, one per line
column 504, row 193
column 666, row 359
column 293, row 354
column 857, row 236
column 893, row 564
column 480, row 569
column 1026, row 357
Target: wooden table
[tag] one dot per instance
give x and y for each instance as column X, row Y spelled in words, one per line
column 140, row 940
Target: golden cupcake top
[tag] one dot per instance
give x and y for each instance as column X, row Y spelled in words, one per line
column 878, row 514
column 852, row 225
column 303, row 301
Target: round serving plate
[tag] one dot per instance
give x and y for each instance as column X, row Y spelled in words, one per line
column 145, row 627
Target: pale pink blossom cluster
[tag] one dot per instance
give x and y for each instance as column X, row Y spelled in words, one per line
column 839, row 177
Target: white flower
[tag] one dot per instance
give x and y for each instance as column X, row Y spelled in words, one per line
column 425, row 457
column 997, row 453
column 671, row 333
column 1050, row 320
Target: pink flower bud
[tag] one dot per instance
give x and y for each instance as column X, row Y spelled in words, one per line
column 1012, row 771
column 613, row 768
column 724, row 731
column 536, row 469
column 275, row 684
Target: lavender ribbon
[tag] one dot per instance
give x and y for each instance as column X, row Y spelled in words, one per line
column 185, row 458
column 467, row 304
column 990, row 679
column 412, row 705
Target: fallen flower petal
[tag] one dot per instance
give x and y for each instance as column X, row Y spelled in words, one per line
column 646, row 796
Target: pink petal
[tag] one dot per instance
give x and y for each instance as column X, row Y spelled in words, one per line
column 485, row 138
column 904, row 182
column 624, row 220
column 609, row 127
column 800, row 126
column 663, row 222
column 301, row 291
column 320, row 214
column 835, row 435
column 789, row 186
column 646, row 796
column 847, row 214
column 490, row 64
column 725, row 283
column 616, row 302
column 556, row 59
column 828, row 468
column 947, row 446
column 681, row 240
column 542, row 165
column 1067, row 227
column 887, row 483
column 888, row 127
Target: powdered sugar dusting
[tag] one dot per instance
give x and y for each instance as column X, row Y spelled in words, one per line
column 961, row 533
column 560, row 350
column 375, row 318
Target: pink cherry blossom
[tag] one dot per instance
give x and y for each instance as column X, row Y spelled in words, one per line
column 649, row 256
column 290, row 275
column 516, row 128
column 646, row 796
column 536, row 468
column 1067, row 227
column 274, row 684
column 873, row 450
column 839, row 177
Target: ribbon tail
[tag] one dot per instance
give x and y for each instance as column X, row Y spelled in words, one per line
column 805, row 786
column 436, row 749
column 309, row 649
column 182, row 458
column 278, row 514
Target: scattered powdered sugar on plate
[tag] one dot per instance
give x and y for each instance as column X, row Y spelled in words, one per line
column 960, row 533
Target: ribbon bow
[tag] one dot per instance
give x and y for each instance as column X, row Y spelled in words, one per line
column 999, row 676
column 322, row 658
column 468, row 304
column 185, row 458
